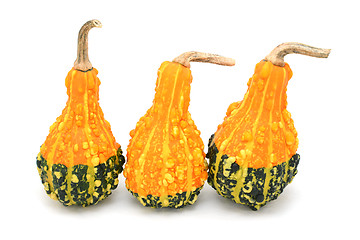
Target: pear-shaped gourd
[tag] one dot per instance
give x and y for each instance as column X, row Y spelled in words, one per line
column 166, row 164
column 80, row 161
column 252, row 155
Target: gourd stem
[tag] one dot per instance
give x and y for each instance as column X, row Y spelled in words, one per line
column 82, row 62
column 277, row 55
column 185, row 59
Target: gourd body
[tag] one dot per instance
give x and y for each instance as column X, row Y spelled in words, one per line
column 166, row 164
column 80, row 160
column 253, row 152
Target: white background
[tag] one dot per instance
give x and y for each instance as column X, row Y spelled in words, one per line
column 38, row 48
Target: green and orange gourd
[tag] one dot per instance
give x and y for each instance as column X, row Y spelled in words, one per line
column 252, row 155
column 166, row 164
column 80, row 161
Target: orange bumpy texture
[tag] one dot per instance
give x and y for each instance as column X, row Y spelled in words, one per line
column 259, row 130
column 165, row 154
column 80, row 134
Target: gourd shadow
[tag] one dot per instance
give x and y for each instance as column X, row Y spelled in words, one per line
column 162, row 211
column 208, row 202
column 76, row 209
column 110, row 202
column 166, row 211
column 282, row 204
column 131, row 202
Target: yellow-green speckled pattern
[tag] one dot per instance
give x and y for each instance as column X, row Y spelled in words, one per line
column 80, row 184
column 253, row 187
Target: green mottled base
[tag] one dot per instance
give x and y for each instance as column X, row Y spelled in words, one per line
column 80, row 184
column 250, row 186
column 178, row 201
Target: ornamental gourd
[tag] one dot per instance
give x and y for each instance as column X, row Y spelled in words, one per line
column 80, row 161
column 252, row 155
column 166, row 164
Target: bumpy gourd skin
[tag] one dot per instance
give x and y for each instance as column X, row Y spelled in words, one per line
column 80, row 161
column 166, row 164
column 253, row 152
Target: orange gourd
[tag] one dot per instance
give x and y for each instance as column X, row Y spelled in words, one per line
column 166, row 164
column 80, row 160
column 253, row 152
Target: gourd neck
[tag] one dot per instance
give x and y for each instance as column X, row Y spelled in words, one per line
column 82, row 62
column 173, row 87
column 267, row 88
column 83, row 86
column 174, row 79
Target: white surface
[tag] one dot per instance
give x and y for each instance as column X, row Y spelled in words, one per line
column 38, row 48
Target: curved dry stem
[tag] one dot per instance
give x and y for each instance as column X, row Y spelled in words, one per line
column 185, row 59
column 277, row 55
column 82, row 62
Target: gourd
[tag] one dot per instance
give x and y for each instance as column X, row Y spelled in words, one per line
column 80, row 161
column 252, row 155
column 166, row 164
